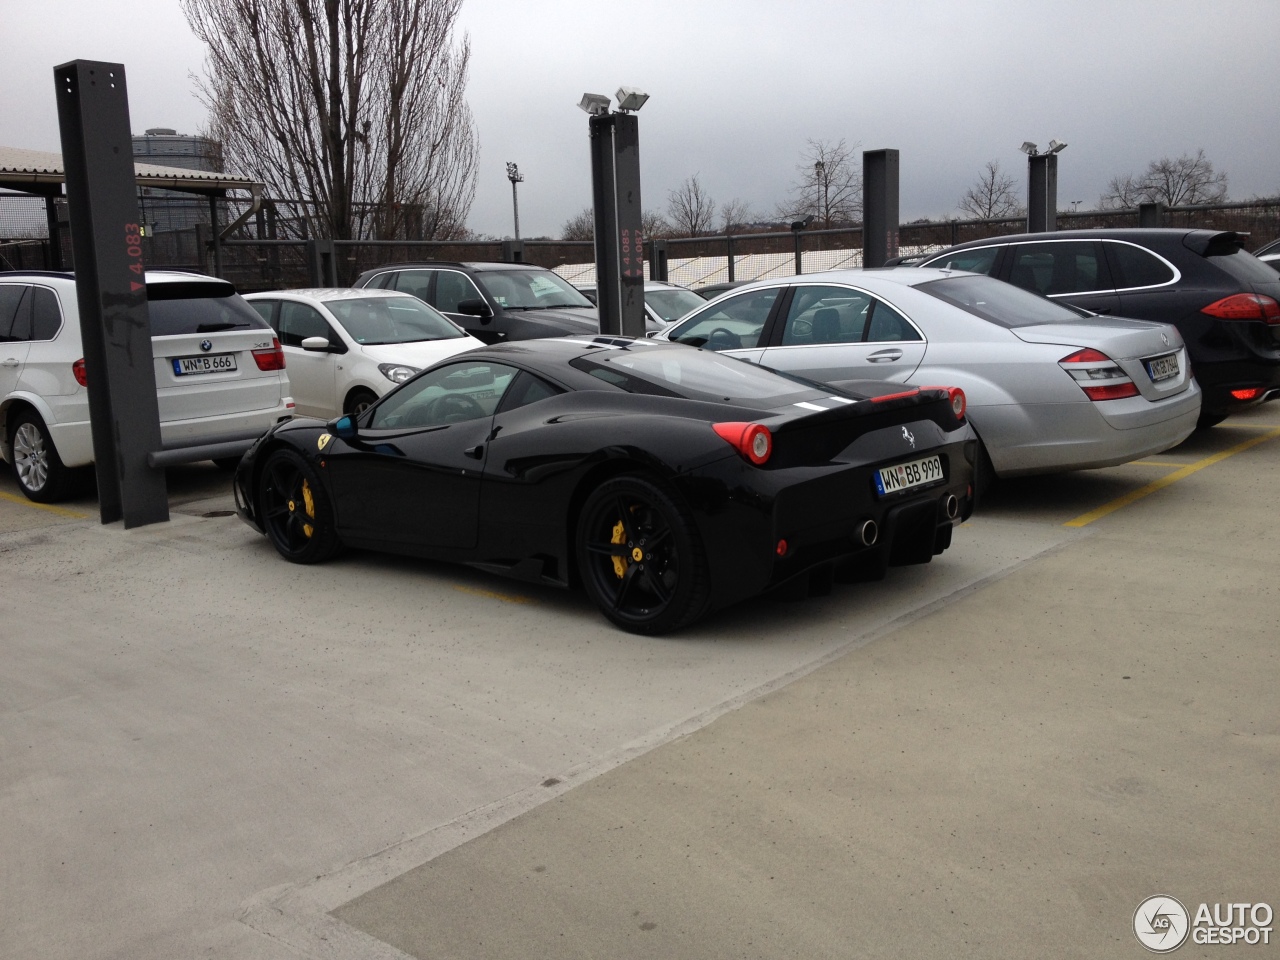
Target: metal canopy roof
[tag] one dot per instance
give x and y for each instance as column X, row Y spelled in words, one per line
column 38, row 172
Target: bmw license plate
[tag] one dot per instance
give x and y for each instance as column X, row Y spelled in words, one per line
column 904, row 476
column 1162, row 368
column 214, row 363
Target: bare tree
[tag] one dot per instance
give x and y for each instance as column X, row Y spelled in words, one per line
column 654, row 225
column 691, row 209
column 993, row 194
column 830, row 185
column 733, row 214
column 356, row 106
column 581, row 226
column 1185, row 180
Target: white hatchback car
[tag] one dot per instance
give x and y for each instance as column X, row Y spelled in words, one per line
column 346, row 348
column 219, row 372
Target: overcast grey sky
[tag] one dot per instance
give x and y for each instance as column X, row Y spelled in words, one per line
column 737, row 87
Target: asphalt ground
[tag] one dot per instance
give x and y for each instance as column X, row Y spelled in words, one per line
column 205, row 751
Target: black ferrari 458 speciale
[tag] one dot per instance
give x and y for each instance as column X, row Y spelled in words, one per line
column 668, row 481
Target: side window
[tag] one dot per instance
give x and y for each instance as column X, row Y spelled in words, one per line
column 416, row 282
column 299, row 321
column 383, row 281
column 527, row 389
column 46, row 315
column 1062, row 267
column 15, row 312
column 1136, row 267
column 887, row 324
column 452, row 394
column 980, row 260
column 730, row 324
column 825, row 315
column 452, row 288
column 267, row 311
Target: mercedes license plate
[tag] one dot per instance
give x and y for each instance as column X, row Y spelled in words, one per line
column 1162, row 368
column 214, row 363
column 904, row 476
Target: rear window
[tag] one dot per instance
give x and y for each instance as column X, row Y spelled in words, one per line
column 184, row 308
column 692, row 374
column 998, row 302
column 1136, row 267
column 979, row 260
column 1242, row 266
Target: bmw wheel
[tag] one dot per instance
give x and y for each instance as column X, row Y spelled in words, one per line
column 640, row 557
column 39, row 470
column 295, row 509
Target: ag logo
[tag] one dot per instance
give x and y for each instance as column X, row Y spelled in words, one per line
column 1161, row 923
column 909, row 437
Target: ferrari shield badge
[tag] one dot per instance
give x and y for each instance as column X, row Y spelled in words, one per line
column 323, row 441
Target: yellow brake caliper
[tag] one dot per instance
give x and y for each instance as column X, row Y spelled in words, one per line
column 619, row 536
column 310, row 504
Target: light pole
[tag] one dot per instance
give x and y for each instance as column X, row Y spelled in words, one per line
column 820, row 174
column 1042, row 185
column 513, row 174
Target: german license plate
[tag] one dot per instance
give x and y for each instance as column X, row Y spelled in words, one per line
column 904, row 476
column 1162, row 368
column 214, row 363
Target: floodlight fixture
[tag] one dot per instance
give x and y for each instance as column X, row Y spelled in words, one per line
column 1029, row 148
column 630, row 99
column 1056, row 146
column 801, row 224
column 514, row 174
column 596, row 104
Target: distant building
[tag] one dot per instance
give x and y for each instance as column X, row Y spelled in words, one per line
column 167, row 210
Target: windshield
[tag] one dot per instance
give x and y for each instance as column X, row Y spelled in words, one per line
column 690, row 373
column 998, row 302
column 530, row 289
column 391, row 320
column 674, row 303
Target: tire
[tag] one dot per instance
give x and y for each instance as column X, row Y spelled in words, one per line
column 358, row 401
column 1209, row 420
column 640, row 557
column 36, row 465
column 984, row 475
column 295, row 509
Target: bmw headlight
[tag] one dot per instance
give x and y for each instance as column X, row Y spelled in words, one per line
column 397, row 372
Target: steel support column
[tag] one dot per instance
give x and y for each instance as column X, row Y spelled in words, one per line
column 879, row 206
column 102, row 203
column 1042, row 193
column 619, row 240
column 1151, row 214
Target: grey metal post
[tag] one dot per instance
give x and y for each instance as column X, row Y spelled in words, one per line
column 1042, row 193
column 217, row 236
column 796, row 234
column 728, row 242
column 55, row 233
column 658, row 260
column 322, row 263
column 513, row 251
column 879, row 206
column 619, row 239
column 202, row 248
column 111, row 290
column 515, row 207
column 1151, row 215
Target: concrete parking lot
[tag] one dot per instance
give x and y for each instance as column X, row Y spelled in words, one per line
column 205, row 751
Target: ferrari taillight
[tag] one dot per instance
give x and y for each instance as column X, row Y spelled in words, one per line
column 271, row 358
column 955, row 397
column 1100, row 377
column 752, row 440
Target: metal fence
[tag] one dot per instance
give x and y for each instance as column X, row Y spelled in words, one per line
column 273, row 249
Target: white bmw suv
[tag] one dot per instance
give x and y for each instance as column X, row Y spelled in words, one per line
column 218, row 366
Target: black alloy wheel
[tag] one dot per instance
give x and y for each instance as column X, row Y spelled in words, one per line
column 295, row 510
column 640, row 557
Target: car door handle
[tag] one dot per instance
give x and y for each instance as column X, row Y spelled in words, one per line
column 476, row 452
column 9, row 362
column 885, row 356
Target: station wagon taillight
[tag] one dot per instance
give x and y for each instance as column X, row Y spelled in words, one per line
column 1245, row 306
column 270, row 359
column 77, row 371
column 1100, row 377
column 752, row 440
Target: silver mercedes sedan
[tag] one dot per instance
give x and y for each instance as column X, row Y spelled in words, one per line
column 1049, row 387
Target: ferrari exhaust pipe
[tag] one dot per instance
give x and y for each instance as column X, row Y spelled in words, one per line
column 951, row 505
column 868, row 532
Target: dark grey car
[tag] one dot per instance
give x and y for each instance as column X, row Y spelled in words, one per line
column 494, row 302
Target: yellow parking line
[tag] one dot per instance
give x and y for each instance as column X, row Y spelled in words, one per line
column 1087, row 518
column 1153, row 463
column 60, row 511
column 494, row 595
